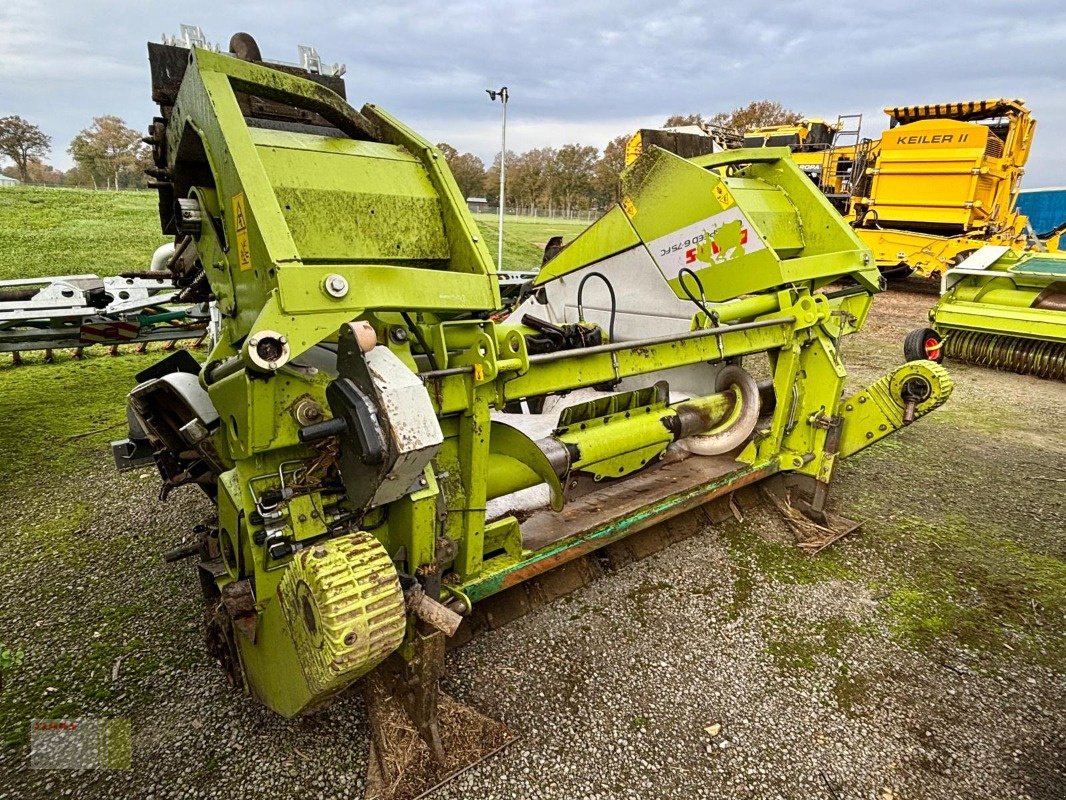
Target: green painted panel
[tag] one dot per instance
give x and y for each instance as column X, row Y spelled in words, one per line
column 354, row 201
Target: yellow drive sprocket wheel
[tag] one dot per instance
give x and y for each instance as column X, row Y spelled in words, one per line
column 931, row 381
column 344, row 608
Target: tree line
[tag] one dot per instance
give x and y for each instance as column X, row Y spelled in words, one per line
column 573, row 178
column 568, row 179
column 579, row 178
column 107, row 155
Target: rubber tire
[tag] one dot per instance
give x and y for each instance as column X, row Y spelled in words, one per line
column 916, row 346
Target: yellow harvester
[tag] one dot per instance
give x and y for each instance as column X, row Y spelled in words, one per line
column 942, row 182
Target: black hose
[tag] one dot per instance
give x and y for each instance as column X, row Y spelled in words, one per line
column 701, row 301
column 421, row 339
column 610, row 290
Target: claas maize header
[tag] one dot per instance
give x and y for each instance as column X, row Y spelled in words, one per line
column 384, row 454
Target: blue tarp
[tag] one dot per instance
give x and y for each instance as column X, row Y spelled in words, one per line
column 1046, row 208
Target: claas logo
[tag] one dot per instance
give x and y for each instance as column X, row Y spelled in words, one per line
column 724, row 244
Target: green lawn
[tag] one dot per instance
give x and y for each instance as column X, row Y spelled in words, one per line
column 524, row 237
column 74, row 231
column 71, row 231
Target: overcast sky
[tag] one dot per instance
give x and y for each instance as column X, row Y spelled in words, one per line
column 577, row 71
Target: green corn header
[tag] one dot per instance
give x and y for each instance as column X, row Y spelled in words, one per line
column 1003, row 309
column 383, row 455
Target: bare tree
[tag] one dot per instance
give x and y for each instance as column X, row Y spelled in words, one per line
column 37, row 172
column 756, row 114
column 448, row 151
column 23, row 142
column 491, row 185
column 680, row 120
column 575, row 164
column 467, row 169
column 608, row 169
column 531, row 178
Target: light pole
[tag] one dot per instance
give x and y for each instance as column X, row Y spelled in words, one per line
column 502, row 95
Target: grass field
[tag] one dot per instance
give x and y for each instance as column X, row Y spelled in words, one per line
column 524, row 237
column 73, row 231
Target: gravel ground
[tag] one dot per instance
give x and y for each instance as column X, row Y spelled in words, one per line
column 724, row 666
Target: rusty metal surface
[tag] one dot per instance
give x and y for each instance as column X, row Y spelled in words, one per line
column 239, row 603
column 613, row 502
column 1053, row 298
column 619, row 510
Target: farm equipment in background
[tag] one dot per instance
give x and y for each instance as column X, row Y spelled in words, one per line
column 79, row 311
column 385, row 455
column 687, row 141
column 825, row 151
column 942, row 182
column 939, row 184
column 1045, row 208
column 1002, row 309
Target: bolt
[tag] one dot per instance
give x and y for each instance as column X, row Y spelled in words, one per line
column 307, row 411
column 398, row 334
column 335, row 285
column 319, row 552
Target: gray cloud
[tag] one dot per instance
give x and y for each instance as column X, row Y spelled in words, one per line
column 579, row 71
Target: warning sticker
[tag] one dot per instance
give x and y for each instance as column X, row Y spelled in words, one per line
column 240, row 222
column 723, row 195
column 714, row 240
column 106, row 332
